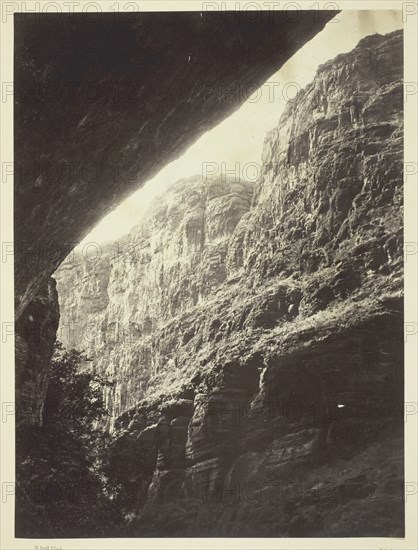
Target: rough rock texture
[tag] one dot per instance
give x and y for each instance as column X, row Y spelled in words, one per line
column 116, row 301
column 34, row 344
column 262, row 395
column 120, row 96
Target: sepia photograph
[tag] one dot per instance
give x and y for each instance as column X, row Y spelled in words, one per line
column 208, row 264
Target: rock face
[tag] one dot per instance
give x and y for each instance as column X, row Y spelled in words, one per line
column 122, row 95
column 254, row 333
column 34, row 344
column 127, row 303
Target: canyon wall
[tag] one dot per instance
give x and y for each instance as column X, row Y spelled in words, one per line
column 128, row 304
column 254, row 332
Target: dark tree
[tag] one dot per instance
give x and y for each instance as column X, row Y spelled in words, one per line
column 61, row 488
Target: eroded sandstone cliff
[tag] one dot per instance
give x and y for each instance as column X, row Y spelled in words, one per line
column 254, row 332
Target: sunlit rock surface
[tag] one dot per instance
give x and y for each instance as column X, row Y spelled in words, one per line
column 254, row 332
column 128, row 303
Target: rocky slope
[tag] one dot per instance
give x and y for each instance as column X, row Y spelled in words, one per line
column 254, row 333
